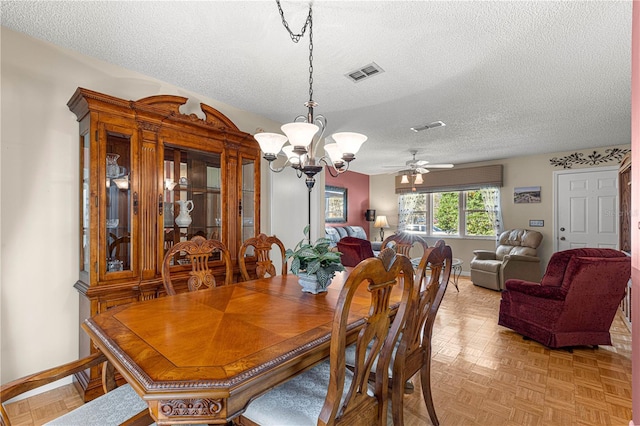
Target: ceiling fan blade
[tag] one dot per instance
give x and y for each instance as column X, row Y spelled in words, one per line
column 421, row 163
column 421, row 170
column 440, row 166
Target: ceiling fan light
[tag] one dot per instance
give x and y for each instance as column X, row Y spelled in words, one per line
column 418, row 180
column 270, row 143
column 300, row 134
column 349, row 142
column 404, row 179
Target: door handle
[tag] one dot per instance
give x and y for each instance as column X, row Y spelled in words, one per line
column 562, row 229
column 562, row 238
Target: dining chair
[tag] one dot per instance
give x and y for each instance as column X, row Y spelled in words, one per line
column 261, row 246
column 196, row 252
column 413, row 352
column 118, row 247
column 329, row 393
column 118, row 405
column 403, row 242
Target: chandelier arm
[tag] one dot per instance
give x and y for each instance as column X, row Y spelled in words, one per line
column 331, row 168
column 321, row 122
column 279, row 169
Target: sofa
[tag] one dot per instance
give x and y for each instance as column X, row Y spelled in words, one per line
column 336, row 233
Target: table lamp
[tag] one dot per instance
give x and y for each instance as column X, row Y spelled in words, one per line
column 381, row 222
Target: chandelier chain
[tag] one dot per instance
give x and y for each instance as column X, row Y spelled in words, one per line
column 295, row 37
column 310, row 20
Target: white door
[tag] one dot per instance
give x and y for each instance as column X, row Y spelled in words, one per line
column 586, row 208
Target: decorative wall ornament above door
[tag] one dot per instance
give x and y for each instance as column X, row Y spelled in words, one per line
column 594, row 159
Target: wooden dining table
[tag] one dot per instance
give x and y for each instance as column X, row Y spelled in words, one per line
column 201, row 357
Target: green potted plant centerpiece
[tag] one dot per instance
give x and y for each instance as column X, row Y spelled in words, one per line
column 314, row 264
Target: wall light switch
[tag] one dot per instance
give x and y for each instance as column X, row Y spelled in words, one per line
column 536, row 223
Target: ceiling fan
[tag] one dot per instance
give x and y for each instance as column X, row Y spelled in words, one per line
column 416, row 167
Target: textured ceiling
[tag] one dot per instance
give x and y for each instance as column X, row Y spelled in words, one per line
column 508, row 78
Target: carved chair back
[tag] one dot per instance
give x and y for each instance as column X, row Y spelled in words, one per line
column 196, row 253
column 261, row 246
column 119, row 246
column 403, row 242
column 332, row 393
column 115, row 405
column 376, row 340
column 414, row 349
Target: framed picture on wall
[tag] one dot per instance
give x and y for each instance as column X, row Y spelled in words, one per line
column 527, row 194
column 335, row 202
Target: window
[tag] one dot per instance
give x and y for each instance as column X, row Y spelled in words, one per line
column 477, row 221
column 462, row 213
column 446, row 209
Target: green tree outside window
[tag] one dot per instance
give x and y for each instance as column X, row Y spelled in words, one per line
column 446, row 208
column 477, row 220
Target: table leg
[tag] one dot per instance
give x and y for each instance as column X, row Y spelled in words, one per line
column 456, row 270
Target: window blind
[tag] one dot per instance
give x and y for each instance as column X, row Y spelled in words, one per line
column 462, row 179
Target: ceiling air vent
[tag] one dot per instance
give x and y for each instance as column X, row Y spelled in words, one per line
column 428, row 126
column 364, row 72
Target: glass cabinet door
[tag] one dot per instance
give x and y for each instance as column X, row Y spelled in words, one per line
column 85, row 204
column 192, row 195
column 118, row 219
column 248, row 197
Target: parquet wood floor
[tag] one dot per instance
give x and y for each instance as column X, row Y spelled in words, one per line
column 482, row 374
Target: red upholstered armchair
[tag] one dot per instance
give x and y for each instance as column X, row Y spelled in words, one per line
column 575, row 302
column 354, row 250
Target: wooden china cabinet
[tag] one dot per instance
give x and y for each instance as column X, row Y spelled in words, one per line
column 146, row 169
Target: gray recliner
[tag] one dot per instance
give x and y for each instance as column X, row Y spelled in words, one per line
column 515, row 257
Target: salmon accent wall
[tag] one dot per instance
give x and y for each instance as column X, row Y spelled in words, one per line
column 357, row 186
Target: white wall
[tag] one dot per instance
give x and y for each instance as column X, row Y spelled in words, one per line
column 39, row 324
column 289, row 214
column 534, row 170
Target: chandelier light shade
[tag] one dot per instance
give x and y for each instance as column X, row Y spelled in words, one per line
column 270, row 143
column 292, row 157
column 306, row 132
column 418, row 179
column 335, row 154
column 349, row 143
column 405, row 179
column 300, row 135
